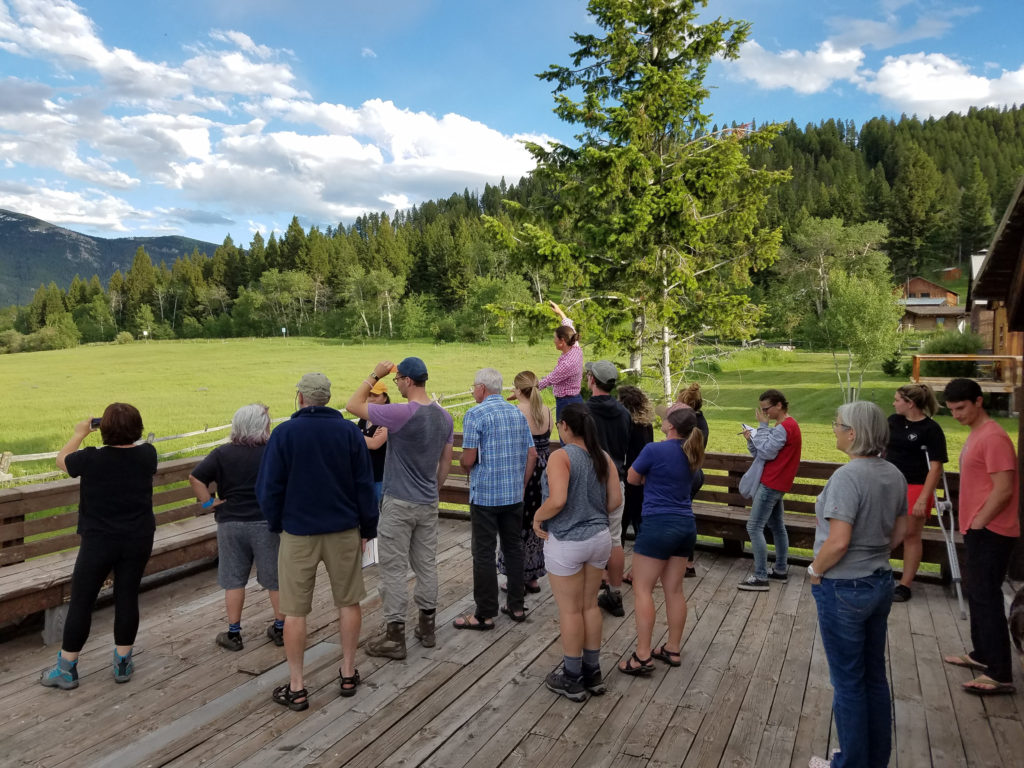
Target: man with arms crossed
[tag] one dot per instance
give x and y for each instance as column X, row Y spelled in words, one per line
column 420, row 439
column 315, row 487
column 990, row 524
column 499, row 454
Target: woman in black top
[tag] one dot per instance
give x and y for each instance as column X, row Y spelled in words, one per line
column 116, row 523
column 377, row 438
column 911, row 430
column 641, row 432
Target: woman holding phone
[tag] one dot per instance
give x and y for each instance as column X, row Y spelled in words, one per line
column 116, row 523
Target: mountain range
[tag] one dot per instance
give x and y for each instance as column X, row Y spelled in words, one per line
column 34, row 252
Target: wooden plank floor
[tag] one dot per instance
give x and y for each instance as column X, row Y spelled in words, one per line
column 753, row 689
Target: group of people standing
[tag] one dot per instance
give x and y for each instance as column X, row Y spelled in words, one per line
column 319, row 487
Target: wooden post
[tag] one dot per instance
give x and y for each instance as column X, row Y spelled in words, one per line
column 915, row 374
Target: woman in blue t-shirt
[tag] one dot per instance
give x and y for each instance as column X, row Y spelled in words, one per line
column 667, row 535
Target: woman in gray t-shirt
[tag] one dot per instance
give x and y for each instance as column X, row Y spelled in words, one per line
column 581, row 486
column 861, row 516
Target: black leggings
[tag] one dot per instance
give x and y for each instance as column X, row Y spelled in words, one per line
column 98, row 555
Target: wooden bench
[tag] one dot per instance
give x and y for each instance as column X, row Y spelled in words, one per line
column 38, row 545
column 722, row 513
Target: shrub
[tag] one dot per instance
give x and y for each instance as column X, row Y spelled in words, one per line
column 124, row 338
column 949, row 343
column 446, row 330
column 11, row 341
column 892, row 366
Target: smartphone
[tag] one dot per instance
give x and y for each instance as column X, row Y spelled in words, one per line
column 95, row 422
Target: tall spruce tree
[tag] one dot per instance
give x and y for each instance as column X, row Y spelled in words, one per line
column 651, row 221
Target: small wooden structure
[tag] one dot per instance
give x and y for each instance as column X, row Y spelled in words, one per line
column 1004, row 373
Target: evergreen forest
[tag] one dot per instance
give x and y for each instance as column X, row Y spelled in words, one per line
column 898, row 198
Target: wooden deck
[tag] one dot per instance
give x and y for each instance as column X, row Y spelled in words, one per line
column 753, row 689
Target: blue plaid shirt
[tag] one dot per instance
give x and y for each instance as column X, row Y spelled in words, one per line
column 503, row 441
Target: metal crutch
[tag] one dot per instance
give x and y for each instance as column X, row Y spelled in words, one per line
column 945, row 507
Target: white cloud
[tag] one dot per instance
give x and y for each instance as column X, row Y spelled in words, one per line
column 932, row 22
column 368, row 53
column 803, row 71
column 243, row 42
column 935, row 84
column 86, row 208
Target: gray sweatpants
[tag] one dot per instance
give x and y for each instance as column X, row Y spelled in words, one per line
column 407, row 535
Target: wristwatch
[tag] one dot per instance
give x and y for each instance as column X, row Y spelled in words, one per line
column 812, row 573
column 374, row 376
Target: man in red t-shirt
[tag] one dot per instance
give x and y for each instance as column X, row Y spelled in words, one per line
column 990, row 524
column 779, row 448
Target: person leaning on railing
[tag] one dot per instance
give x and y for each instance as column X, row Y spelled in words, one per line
column 116, row 523
column 861, row 516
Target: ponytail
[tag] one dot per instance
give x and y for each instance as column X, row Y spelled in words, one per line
column 579, row 420
column 693, row 447
column 920, row 395
column 684, row 422
column 526, row 382
column 567, row 334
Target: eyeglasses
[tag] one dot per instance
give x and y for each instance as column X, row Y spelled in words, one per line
column 836, row 423
column 399, row 377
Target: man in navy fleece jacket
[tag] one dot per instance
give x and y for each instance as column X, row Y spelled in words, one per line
column 315, row 487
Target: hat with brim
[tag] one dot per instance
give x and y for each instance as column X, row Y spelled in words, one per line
column 603, row 371
column 414, row 368
column 380, row 388
column 315, row 386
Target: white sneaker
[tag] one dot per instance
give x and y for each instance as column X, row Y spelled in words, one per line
column 819, row 762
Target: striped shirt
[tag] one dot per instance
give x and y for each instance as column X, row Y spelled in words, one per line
column 499, row 432
column 567, row 378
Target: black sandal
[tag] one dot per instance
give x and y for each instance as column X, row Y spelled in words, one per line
column 645, row 668
column 671, row 658
column 349, row 684
column 289, row 698
column 518, row 617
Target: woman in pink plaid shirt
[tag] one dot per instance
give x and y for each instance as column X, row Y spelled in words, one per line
column 566, row 379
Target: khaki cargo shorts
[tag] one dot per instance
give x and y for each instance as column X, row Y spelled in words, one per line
column 297, row 561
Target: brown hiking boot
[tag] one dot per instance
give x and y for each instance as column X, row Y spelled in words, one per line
column 390, row 644
column 425, row 630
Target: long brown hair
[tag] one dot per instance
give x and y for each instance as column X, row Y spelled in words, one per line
column 684, row 422
column 577, row 417
column 526, row 382
column 637, row 403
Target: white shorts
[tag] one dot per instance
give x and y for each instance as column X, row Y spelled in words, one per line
column 567, row 558
column 615, row 518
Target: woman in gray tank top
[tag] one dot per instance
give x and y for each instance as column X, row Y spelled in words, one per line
column 581, row 486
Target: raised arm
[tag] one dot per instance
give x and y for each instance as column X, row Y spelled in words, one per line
column 358, row 404
column 81, row 431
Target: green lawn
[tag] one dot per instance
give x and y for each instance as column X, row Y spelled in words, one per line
column 182, row 386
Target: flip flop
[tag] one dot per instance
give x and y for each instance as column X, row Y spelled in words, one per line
column 983, row 685
column 669, row 657
column 467, row 622
column 964, row 660
column 513, row 615
column 645, row 667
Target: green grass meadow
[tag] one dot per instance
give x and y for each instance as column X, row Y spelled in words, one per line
column 184, row 386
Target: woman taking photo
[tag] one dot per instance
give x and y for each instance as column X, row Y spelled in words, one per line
column 583, row 487
column 116, row 523
column 667, row 535
column 243, row 537
column 911, row 432
column 861, row 515
column 526, row 396
column 567, row 378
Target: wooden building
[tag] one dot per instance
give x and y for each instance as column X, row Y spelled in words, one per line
column 1000, row 281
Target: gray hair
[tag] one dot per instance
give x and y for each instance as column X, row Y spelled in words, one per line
column 870, row 425
column 491, row 380
column 251, row 425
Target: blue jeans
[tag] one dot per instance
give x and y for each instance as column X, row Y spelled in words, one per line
column 561, row 402
column 766, row 509
column 852, row 616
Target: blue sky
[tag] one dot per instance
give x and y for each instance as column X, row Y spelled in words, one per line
column 211, row 118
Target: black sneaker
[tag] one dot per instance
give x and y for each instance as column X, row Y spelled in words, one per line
column 557, row 681
column 901, row 593
column 752, row 584
column 593, row 682
column 276, row 635
column 611, row 602
column 774, row 576
column 230, row 640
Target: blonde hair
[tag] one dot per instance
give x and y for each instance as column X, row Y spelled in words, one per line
column 526, row 382
column 920, row 395
column 684, row 422
column 691, row 397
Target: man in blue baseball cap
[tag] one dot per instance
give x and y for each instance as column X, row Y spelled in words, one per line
column 420, row 439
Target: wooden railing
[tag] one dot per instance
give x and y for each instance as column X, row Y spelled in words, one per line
column 38, row 542
column 1006, row 371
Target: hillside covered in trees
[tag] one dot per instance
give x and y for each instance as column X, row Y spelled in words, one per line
column 890, row 198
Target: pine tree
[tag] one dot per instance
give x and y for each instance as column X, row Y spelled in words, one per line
column 976, row 221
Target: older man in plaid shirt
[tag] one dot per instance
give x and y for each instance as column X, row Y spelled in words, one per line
column 498, row 453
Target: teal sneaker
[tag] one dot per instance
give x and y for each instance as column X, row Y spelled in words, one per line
column 123, row 667
column 63, row 675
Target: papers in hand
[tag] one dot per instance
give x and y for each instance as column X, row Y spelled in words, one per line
column 370, row 554
column 746, row 427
